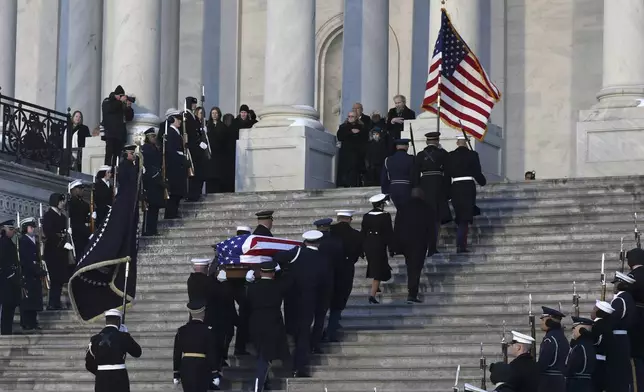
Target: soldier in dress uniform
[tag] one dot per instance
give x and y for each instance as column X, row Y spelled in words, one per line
column 619, row 370
column 377, row 231
column 525, row 371
column 105, row 357
column 264, row 223
column 194, row 358
column 198, row 149
column 242, row 230
column 635, row 259
column 176, row 165
column 463, row 168
column 32, row 275
column 552, row 352
column 267, row 330
column 343, row 272
column 603, row 338
column 430, row 166
column 153, row 183
column 103, row 194
column 221, row 315
column 56, row 252
column 79, row 217
column 580, row 361
column 500, row 376
column 397, row 175
column 9, row 277
column 199, row 283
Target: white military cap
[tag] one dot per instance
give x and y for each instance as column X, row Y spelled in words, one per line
column 104, row 168
column 623, row 277
column 221, row 276
column 74, row 184
column 172, row 112
column 244, row 228
column 522, row 338
column 604, row 306
column 312, row 235
column 377, row 198
column 472, row 388
column 200, row 261
column 114, row 313
column 348, row 213
column 30, row 220
column 461, row 137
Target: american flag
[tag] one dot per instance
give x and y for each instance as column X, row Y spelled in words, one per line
column 250, row 248
column 458, row 83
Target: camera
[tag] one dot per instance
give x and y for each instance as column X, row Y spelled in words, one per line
column 131, row 99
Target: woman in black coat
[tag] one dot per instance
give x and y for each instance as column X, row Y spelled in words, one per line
column 218, row 134
column 32, row 275
column 377, row 232
column 353, row 138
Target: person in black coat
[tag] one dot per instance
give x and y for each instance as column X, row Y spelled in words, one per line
column 79, row 217
column 267, row 330
column 500, row 376
column 9, row 277
column 552, row 352
column 524, row 369
column 32, row 275
column 397, row 177
column 635, row 259
column 463, row 168
column 117, row 110
column 218, row 134
column 430, row 167
column 581, row 359
column 602, row 333
column 105, row 357
column 57, row 248
column 103, row 195
column 243, row 119
column 221, row 315
column 199, row 283
column 377, row 152
column 397, row 115
column 353, row 138
column 176, row 166
column 153, row 183
column 264, row 223
column 411, row 233
column 198, row 149
column 619, row 371
column 377, row 232
column 343, row 272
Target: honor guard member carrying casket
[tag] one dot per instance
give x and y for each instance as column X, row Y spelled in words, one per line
column 398, row 174
column 105, row 357
column 635, row 259
column 463, row 167
column 9, row 277
column 221, row 316
column 603, row 337
column 32, row 275
column 198, row 149
column 153, row 182
column 619, row 370
column 199, row 283
column 331, row 247
column 176, row 165
column 241, row 230
column 194, row 356
column 430, row 166
column 57, row 248
column 580, row 361
column 525, row 371
column 264, row 223
column 79, row 217
column 552, row 352
column 103, row 194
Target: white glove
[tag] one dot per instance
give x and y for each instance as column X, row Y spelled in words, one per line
column 338, row 144
column 277, row 268
column 250, row 276
column 216, row 381
column 69, row 230
column 176, row 381
column 203, row 145
column 94, row 215
column 68, row 246
column 123, row 328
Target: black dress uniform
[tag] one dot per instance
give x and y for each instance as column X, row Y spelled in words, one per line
column 603, row 338
column 197, row 153
column 331, row 247
column 54, row 226
column 153, row 184
column 635, row 261
column 9, row 281
column 581, row 360
column 463, row 168
column 221, row 315
column 176, row 172
column 79, row 216
column 397, row 175
column 552, row 354
column 194, row 356
column 377, row 231
column 103, row 197
column 619, row 371
column 105, row 359
column 32, row 274
column 525, row 374
column 261, row 229
column 500, row 376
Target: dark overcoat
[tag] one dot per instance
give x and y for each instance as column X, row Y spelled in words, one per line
column 9, row 276
column 552, row 360
column 31, row 275
column 218, row 135
column 267, row 330
column 103, row 197
column 460, row 163
column 153, row 178
column 54, row 226
column 430, row 174
column 525, row 374
column 344, row 272
column 580, row 364
column 377, row 232
column 176, row 164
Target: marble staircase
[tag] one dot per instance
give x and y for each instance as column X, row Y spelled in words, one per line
column 532, row 237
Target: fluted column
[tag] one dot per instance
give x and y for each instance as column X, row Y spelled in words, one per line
column 375, row 55
column 8, row 19
column 169, row 79
column 290, row 64
column 131, row 56
column 623, row 72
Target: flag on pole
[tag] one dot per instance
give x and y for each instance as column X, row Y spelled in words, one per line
column 458, row 84
column 251, row 249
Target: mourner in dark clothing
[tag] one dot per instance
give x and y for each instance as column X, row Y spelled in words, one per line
column 79, row 217
column 430, row 167
column 635, row 259
column 524, row 369
column 581, row 359
column 397, row 116
column 267, row 330
column 153, row 183
column 344, row 271
column 377, row 232
column 103, row 195
column 80, row 132
column 32, row 274
column 397, row 177
column 194, row 356
column 602, row 333
column 463, row 168
column 218, row 134
column 377, row 152
column 619, row 371
column 359, row 111
column 411, row 235
column 106, row 353
column 117, row 110
column 552, row 352
column 500, row 376
column 198, row 149
column 57, row 248
column 353, row 138
column 10, row 291
column 176, row 166
column 243, row 120
column 264, row 223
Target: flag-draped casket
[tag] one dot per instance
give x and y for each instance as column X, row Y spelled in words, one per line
column 247, row 251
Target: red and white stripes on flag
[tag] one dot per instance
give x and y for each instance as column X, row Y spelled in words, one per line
column 457, row 85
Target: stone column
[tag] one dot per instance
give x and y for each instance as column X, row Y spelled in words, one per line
column 169, row 72
column 375, row 55
column 623, row 77
column 8, row 19
column 131, row 56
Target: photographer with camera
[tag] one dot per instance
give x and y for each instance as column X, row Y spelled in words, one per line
column 117, row 110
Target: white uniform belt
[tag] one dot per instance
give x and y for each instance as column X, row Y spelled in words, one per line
column 600, row 357
column 457, row 179
column 406, row 182
column 431, row 173
column 620, row 332
column 120, row 366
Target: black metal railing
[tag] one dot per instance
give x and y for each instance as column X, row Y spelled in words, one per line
column 34, row 133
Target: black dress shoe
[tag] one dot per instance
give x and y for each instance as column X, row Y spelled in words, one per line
column 414, row 300
column 373, row 300
column 240, row 352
